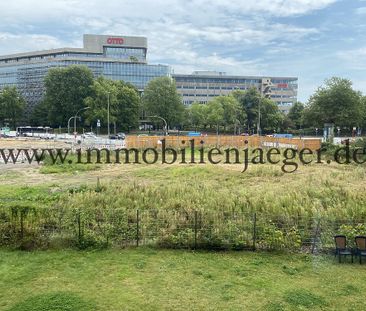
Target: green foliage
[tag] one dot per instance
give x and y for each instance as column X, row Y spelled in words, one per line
column 252, row 102
column 274, row 237
column 12, row 106
column 58, row 301
column 71, row 167
column 335, row 102
column 104, row 214
column 39, row 115
column 296, row 115
column 351, row 231
column 124, row 104
column 161, row 99
column 197, row 115
column 271, row 117
column 66, row 90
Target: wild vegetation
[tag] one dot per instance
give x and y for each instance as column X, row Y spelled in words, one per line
column 188, row 206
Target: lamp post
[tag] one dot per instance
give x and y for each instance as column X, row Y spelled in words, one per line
column 76, row 115
column 108, row 104
column 166, row 124
column 259, row 118
column 68, row 124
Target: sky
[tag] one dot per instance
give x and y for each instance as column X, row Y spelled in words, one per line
column 309, row 39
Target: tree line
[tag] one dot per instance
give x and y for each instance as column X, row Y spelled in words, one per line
column 75, row 89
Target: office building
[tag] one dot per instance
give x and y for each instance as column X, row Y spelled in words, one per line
column 203, row 86
column 114, row 57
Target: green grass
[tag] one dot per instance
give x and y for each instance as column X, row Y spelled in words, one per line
column 59, row 301
column 146, row 279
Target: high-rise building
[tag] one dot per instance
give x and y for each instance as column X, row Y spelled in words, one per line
column 202, row 86
column 114, row 57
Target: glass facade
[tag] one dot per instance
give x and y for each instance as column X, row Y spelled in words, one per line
column 27, row 73
column 202, row 88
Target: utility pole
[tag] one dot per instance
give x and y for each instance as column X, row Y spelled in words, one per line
column 259, row 118
column 109, row 131
column 76, row 115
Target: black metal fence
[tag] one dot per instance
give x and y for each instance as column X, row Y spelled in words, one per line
column 28, row 228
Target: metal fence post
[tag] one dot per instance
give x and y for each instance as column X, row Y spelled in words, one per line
column 22, row 224
column 137, row 228
column 79, row 227
column 254, row 231
column 315, row 237
column 195, row 229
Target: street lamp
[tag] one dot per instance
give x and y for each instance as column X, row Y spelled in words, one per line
column 109, row 131
column 68, row 124
column 76, row 115
column 166, row 124
column 259, row 118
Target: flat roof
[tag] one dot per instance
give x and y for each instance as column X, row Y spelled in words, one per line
column 205, row 76
column 93, row 44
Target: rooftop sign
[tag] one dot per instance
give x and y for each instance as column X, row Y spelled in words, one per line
column 115, row 40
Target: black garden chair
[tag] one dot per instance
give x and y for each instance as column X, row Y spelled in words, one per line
column 360, row 242
column 341, row 247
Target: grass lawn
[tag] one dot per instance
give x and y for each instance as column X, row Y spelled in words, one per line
column 149, row 279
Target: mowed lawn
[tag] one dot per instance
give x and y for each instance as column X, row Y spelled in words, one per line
column 149, row 279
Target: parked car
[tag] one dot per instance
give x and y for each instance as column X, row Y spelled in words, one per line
column 120, row 136
column 89, row 135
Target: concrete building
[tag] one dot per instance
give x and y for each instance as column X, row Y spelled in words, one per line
column 114, row 57
column 202, row 86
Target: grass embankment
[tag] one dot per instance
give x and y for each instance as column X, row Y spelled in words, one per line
column 146, row 279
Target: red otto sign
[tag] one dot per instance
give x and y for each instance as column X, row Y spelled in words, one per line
column 282, row 85
column 115, row 40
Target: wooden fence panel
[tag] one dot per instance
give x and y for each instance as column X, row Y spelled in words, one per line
column 143, row 142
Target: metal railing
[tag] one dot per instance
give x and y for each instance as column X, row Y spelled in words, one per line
column 178, row 228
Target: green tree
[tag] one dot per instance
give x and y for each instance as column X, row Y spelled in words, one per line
column 215, row 114
column 39, row 115
column 161, row 99
column 252, row 102
column 232, row 112
column 66, row 90
column 197, row 114
column 124, row 104
column 335, row 102
column 271, row 117
column 12, row 106
column 296, row 115
column 249, row 102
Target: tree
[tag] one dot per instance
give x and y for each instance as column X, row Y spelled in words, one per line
column 123, row 99
column 161, row 99
column 66, row 90
column 232, row 112
column 271, row 117
column 215, row 114
column 335, row 102
column 12, row 106
column 249, row 102
column 296, row 115
column 197, row 114
column 39, row 115
column 252, row 102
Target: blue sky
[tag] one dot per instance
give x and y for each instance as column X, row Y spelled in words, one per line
column 310, row 39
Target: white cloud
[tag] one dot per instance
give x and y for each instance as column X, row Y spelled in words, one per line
column 354, row 58
column 16, row 43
